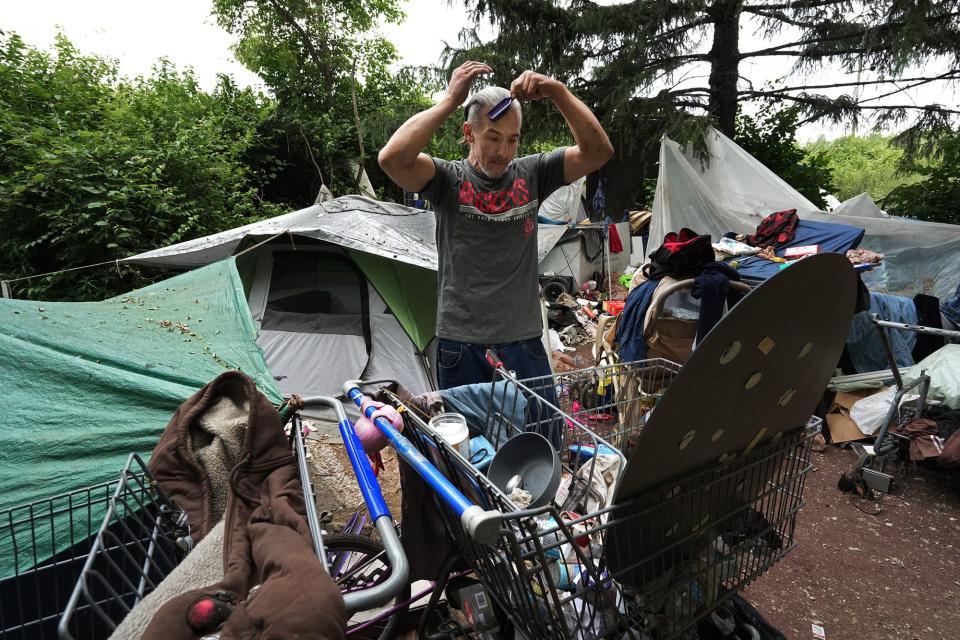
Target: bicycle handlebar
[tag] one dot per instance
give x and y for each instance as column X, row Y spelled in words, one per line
column 383, row 593
column 483, row 526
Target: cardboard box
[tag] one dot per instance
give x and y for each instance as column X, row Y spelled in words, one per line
column 842, row 427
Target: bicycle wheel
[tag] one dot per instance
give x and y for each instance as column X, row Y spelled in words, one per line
column 357, row 563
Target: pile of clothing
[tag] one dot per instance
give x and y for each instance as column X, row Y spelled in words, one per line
column 682, row 255
column 935, row 438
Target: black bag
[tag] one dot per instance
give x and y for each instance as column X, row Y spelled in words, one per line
column 682, row 255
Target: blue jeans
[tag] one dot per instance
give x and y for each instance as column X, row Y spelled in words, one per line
column 461, row 363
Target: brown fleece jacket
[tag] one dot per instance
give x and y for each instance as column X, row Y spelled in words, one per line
column 273, row 586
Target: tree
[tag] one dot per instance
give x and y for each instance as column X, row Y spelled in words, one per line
column 770, row 137
column 96, row 168
column 338, row 98
column 635, row 63
column 860, row 164
column 936, row 196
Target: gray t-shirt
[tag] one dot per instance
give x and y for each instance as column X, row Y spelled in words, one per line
column 487, row 247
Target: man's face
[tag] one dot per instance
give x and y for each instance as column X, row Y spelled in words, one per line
column 495, row 144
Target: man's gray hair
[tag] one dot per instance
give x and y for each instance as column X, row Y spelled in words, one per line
column 482, row 100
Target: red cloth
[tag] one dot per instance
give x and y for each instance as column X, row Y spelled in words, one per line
column 775, row 230
column 615, row 245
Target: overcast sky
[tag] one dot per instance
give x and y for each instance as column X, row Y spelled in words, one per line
column 138, row 32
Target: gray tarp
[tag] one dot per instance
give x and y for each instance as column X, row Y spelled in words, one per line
column 733, row 191
column 381, row 228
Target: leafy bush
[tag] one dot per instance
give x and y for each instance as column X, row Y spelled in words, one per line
column 935, row 196
column 862, row 164
column 96, row 168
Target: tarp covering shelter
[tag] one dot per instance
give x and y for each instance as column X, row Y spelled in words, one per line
column 860, row 206
column 315, row 329
column 86, row 383
column 732, row 191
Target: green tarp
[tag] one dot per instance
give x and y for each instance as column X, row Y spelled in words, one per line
column 86, row 383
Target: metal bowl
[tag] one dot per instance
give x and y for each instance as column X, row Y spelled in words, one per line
column 533, row 459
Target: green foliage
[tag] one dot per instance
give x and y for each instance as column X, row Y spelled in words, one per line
column 96, row 168
column 863, row 164
column 935, row 197
column 770, row 137
column 317, row 58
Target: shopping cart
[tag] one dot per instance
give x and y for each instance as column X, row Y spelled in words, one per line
column 79, row 563
column 548, row 570
column 46, row 547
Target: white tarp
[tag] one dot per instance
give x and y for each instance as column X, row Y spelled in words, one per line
column 564, row 204
column 861, row 206
column 943, row 367
column 733, row 191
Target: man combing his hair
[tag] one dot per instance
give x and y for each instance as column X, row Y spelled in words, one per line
column 486, row 208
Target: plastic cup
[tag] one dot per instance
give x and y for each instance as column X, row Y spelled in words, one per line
column 452, row 427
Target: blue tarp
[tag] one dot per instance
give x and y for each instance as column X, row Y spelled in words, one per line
column 836, row 238
column 863, row 341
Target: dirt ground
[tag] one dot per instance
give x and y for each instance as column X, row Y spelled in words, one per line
column 335, row 483
column 885, row 576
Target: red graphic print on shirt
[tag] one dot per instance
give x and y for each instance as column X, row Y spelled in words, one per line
column 494, row 201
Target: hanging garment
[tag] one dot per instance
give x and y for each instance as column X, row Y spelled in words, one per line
column 712, row 287
column 599, row 200
column 776, row 229
column 928, row 315
column 615, row 245
column 629, row 339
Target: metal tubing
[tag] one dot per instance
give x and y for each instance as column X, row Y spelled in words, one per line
column 383, row 593
column 399, row 567
column 894, row 369
column 483, row 526
column 933, row 331
column 313, row 523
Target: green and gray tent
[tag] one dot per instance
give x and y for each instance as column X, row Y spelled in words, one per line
column 302, row 302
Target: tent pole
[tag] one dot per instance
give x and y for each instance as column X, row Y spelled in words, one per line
column 425, row 361
column 5, row 287
column 606, row 249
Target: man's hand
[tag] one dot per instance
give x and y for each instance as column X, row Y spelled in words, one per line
column 531, row 85
column 462, row 77
column 593, row 147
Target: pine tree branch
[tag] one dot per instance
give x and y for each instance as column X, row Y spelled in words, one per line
column 779, row 16
column 657, row 39
column 949, row 75
column 813, row 4
column 888, row 27
column 855, row 106
column 900, row 89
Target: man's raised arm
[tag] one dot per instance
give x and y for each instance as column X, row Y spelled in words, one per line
column 402, row 158
column 593, row 146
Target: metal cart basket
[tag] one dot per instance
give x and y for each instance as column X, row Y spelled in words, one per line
column 47, row 547
column 700, row 538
